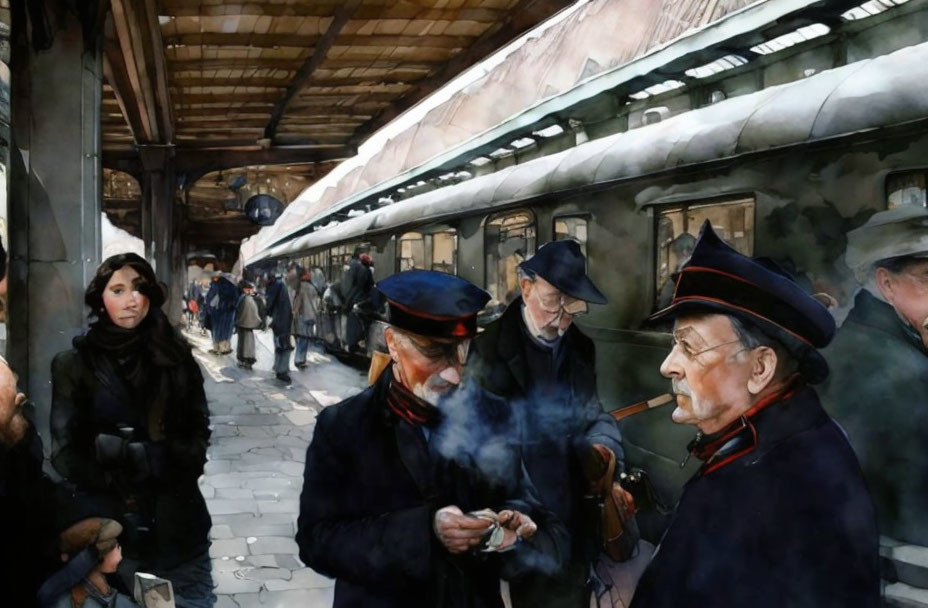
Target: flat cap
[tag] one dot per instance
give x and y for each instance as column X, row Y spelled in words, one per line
column 98, row 531
column 902, row 231
column 562, row 264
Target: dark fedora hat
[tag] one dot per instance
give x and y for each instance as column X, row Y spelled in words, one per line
column 719, row 279
column 562, row 264
column 431, row 303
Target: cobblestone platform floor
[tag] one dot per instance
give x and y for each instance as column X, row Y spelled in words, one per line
column 254, row 475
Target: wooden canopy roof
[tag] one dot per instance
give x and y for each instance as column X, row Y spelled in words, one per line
column 266, row 82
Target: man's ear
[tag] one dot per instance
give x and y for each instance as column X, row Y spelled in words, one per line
column 884, row 282
column 525, row 284
column 389, row 337
column 763, row 369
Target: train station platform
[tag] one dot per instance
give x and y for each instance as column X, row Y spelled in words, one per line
column 253, row 479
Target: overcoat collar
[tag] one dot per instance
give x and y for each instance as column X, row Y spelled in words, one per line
column 410, row 442
column 510, row 345
column 870, row 311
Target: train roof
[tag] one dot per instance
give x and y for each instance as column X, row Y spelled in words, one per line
column 862, row 96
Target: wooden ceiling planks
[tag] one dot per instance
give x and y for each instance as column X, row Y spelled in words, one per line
column 240, row 78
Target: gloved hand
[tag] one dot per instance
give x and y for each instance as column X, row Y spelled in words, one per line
column 110, row 449
column 595, row 462
column 137, row 464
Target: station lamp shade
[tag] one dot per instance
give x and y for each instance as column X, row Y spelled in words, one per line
column 263, row 209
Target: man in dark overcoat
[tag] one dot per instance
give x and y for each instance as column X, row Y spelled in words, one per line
column 778, row 514
column 878, row 388
column 27, row 500
column 414, row 493
column 535, row 357
column 280, row 310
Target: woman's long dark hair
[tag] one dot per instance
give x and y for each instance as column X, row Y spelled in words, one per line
column 148, row 285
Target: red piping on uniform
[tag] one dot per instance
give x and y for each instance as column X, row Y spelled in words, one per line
column 417, row 313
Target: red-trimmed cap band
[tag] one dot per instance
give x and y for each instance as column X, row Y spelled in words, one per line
column 434, row 326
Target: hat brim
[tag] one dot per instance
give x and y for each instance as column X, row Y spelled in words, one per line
column 582, row 289
column 812, row 364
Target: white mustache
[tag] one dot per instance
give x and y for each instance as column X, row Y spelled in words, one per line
column 680, row 387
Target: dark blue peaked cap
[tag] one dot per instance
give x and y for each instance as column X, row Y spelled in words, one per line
column 562, row 264
column 431, row 303
column 719, row 279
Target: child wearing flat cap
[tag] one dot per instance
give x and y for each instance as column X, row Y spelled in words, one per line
column 90, row 550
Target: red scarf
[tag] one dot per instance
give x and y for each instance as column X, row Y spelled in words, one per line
column 409, row 407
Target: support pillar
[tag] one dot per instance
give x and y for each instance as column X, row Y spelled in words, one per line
column 159, row 189
column 55, row 194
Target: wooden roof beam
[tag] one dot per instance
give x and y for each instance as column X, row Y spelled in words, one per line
column 305, row 73
column 292, row 65
column 397, row 10
column 525, row 15
column 141, row 61
column 269, row 41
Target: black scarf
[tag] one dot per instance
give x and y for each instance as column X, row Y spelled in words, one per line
column 137, row 357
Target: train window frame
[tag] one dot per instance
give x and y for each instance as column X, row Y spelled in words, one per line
column 658, row 282
column 584, row 244
column 488, row 221
column 921, row 172
column 427, row 238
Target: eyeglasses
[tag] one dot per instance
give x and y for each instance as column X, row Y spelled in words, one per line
column 455, row 352
column 558, row 303
column 691, row 354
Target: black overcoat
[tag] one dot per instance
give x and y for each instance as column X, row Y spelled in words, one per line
column 549, row 422
column 89, row 398
column 29, row 550
column 878, row 391
column 788, row 525
column 372, row 486
column 279, row 308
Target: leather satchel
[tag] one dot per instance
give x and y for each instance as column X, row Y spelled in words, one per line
column 618, row 529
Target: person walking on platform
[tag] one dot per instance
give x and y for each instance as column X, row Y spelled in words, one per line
column 221, row 300
column 356, row 286
column 249, row 316
column 414, row 495
column 281, row 312
column 305, row 307
column 130, row 429
column 778, row 514
column 536, row 357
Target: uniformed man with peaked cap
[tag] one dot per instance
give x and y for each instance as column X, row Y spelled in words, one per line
column 414, row 495
column 878, row 389
column 778, row 514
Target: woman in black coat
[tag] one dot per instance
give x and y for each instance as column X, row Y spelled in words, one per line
column 129, row 425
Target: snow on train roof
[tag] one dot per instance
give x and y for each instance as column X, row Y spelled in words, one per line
column 868, row 94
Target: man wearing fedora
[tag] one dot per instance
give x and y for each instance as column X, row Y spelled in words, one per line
column 535, row 357
column 414, row 495
column 778, row 514
column 878, row 389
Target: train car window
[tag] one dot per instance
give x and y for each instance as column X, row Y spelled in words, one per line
column 443, row 250
column 508, row 239
column 905, row 189
column 678, row 226
column 572, row 227
column 410, row 252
